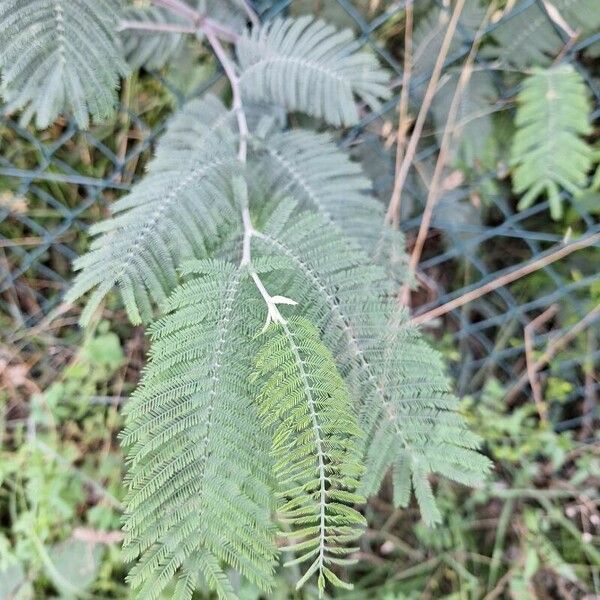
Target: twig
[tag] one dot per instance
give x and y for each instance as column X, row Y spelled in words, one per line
column 447, row 137
column 200, row 21
column 156, row 27
column 234, row 81
column 566, row 48
column 95, row 536
column 499, row 589
column 554, row 347
column 402, row 173
column 393, row 212
column 540, row 263
column 536, row 388
column 273, row 314
column 591, row 398
column 554, row 15
column 213, row 31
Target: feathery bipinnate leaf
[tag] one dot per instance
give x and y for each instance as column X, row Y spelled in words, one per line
column 311, row 169
column 201, row 124
column 548, row 152
column 187, row 187
column 155, row 49
column 314, row 445
column 307, row 66
column 333, row 283
column 60, row 56
column 177, row 212
column 530, row 37
column 473, row 122
column 396, row 381
column 151, row 49
column 199, row 467
column 199, row 428
column 416, row 428
column 428, row 39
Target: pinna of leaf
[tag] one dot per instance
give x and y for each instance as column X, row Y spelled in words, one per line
column 281, row 377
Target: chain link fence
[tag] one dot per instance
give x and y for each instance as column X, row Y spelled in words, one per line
column 54, row 184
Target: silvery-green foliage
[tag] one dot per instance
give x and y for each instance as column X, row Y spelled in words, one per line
column 200, row 483
column 306, row 65
column 315, row 446
column 310, row 168
column 150, row 49
column 408, row 415
column 177, row 212
column 154, row 50
column 473, row 124
column 60, row 56
column 239, row 429
column 549, row 152
column 530, row 37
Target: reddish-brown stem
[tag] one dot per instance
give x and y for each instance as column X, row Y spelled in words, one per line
column 447, row 138
column 554, row 347
column 402, row 172
column 157, row 27
column 540, row 263
column 393, row 213
column 200, row 21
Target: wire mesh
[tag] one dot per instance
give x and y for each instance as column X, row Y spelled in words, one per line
column 60, row 202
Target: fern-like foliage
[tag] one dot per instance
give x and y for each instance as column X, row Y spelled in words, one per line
column 310, row 168
column 473, row 126
column 200, row 474
column 308, row 66
column 529, row 37
column 154, row 50
column 199, row 144
column 228, row 424
column 548, row 151
column 60, row 56
column 429, row 35
column 397, row 382
column 314, row 444
column 176, row 213
column 151, row 50
column 416, row 428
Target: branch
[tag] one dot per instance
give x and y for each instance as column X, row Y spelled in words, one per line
column 402, row 172
column 507, row 278
column 554, row 347
column 201, row 22
column 404, row 120
column 156, row 27
column 447, row 138
column 213, row 31
column 273, row 314
column 250, row 13
column 234, row 81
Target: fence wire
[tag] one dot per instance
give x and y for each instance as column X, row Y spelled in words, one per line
column 45, row 212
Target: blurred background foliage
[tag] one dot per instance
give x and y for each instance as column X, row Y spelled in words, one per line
column 520, row 179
